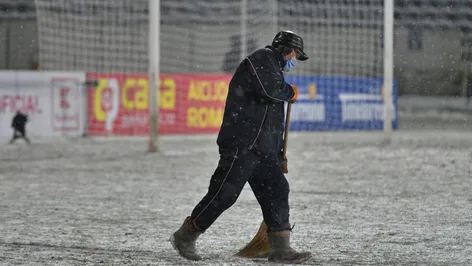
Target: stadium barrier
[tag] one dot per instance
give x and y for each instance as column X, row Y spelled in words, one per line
column 194, row 104
column 59, row 103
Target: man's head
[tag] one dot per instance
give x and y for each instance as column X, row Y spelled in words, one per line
column 290, row 45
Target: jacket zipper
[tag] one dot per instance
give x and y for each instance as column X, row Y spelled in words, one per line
column 260, row 128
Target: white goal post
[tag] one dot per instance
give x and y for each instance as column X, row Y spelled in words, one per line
column 388, row 68
column 154, row 55
column 181, row 55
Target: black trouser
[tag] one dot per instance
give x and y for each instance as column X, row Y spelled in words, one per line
column 265, row 176
column 21, row 131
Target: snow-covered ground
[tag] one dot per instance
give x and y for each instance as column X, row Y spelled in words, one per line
column 97, row 201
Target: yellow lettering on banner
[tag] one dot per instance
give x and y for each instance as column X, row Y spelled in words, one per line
column 204, row 117
column 100, row 114
column 312, row 91
column 202, row 90
column 166, row 97
column 140, row 101
column 141, row 97
column 221, row 89
column 167, row 94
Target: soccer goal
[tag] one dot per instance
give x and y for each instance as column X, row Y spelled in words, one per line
column 195, row 46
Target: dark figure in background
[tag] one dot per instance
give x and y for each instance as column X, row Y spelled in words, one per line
column 250, row 144
column 233, row 56
column 415, row 38
column 18, row 124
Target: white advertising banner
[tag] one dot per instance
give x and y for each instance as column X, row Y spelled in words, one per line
column 53, row 101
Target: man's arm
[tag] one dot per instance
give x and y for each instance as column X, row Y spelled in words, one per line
column 272, row 84
column 14, row 121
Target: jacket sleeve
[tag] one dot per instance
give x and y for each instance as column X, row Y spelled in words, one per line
column 14, row 121
column 271, row 82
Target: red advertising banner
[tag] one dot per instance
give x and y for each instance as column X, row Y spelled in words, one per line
column 188, row 104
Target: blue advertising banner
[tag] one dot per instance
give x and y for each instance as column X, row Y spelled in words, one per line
column 339, row 103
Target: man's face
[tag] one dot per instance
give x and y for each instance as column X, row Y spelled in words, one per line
column 291, row 55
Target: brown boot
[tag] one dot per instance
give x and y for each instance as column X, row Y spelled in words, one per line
column 280, row 250
column 183, row 240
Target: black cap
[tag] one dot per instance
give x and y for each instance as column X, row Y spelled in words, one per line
column 292, row 40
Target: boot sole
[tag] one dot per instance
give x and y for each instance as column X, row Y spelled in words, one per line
column 172, row 242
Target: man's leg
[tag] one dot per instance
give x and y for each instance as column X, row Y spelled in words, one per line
column 22, row 131
column 227, row 182
column 271, row 189
column 233, row 171
column 15, row 136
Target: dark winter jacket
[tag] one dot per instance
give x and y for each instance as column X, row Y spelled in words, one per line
column 19, row 121
column 254, row 111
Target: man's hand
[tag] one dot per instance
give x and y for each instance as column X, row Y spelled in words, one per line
column 295, row 93
column 284, row 165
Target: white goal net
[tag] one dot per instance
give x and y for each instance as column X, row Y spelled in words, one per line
column 201, row 44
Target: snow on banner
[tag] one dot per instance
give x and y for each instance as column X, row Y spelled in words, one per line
column 52, row 100
column 188, row 103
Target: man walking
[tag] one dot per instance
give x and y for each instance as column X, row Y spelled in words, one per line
column 250, row 144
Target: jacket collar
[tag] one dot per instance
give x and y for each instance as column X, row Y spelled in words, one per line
column 277, row 54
